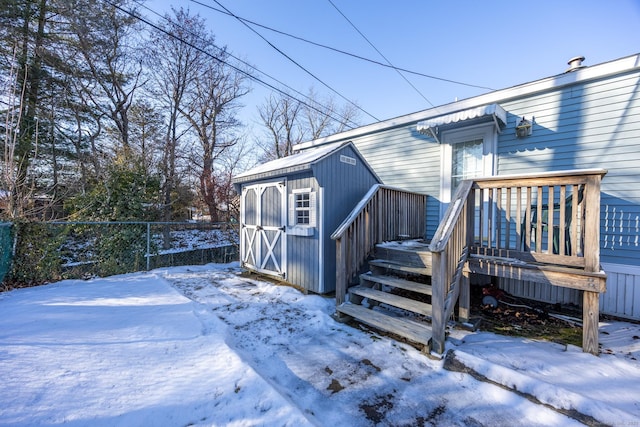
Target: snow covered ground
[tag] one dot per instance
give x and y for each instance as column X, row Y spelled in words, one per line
column 204, row 346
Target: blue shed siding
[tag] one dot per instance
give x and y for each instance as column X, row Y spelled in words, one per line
column 303, row 256
column 344, row 186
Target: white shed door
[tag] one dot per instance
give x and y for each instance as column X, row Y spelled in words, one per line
column 262, row 231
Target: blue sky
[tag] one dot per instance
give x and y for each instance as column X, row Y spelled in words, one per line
column 496, row 44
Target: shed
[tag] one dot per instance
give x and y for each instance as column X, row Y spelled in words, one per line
column 290, row 206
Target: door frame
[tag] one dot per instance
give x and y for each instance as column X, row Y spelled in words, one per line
column 254, row 236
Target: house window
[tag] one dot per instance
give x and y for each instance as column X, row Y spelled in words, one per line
column 302, row 208
column 467, row 161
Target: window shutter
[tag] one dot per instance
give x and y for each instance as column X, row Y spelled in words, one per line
column 312, row 209
column 292, row 210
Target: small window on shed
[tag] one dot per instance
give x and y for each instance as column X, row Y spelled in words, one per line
column 302, row 208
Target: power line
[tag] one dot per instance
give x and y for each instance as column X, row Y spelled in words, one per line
column 380, row 53
column 205, row 52
column 343, row 52
column 296, row 63
column 343, row 120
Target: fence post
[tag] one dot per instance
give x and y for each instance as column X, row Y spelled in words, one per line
column 148, row 245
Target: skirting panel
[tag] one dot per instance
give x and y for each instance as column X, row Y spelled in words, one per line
column 622, row 298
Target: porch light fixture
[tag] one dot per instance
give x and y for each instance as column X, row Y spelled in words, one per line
column 524, row 128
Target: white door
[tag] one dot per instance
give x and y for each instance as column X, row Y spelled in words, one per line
column 262, row 231
column 468, row 153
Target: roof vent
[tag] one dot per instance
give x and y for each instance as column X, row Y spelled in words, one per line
column 575, row 64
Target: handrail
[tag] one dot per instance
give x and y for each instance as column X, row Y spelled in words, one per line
column 384, row 213
column 449, row 252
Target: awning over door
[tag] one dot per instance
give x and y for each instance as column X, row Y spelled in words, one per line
column 492, row 112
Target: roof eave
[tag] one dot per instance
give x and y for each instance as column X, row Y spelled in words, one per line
column 617, row 66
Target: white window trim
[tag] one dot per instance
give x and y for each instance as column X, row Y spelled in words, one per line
column 486, row 132
column 303, row 229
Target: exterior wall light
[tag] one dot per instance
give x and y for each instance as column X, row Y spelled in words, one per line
column 524, row 127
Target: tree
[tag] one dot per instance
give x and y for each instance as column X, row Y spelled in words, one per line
column 103, row 50
column 23, row 32
column 289, row 122
column 147, row 132
column 174, row 64
column 280, row 115
column 324, row 117
column 211, row 109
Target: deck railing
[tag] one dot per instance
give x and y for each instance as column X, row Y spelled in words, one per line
column 384, row 213
column 550, row 218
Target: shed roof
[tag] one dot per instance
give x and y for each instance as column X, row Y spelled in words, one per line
column 290, row 164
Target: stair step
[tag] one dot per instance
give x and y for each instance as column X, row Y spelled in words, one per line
column 412, row 253
column 397, row 282
column 394, row 300
column 396, row 266
column 406, row 328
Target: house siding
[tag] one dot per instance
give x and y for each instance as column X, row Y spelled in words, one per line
column 585, row 119
column 623, row 291
column 404, row 158
column 590, row 125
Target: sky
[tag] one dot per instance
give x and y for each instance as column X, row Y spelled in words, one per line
column 208, row 346
column 493, row 44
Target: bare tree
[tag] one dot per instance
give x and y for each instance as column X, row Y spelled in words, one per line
column 280, row 116
column 174, row 64
column 211, row 110
column 324, row 117
column 23, row 31
column 289, row 122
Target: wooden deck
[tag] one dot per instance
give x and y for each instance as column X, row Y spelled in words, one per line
column 541, row 228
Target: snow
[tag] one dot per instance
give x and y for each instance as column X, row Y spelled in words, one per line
column 207, row 346
column 299, row 159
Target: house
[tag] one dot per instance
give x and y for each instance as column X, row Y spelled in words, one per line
column 586, row 117
column 534, row 186
column 290, row 206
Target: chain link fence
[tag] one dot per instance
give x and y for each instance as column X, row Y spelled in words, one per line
column 38, row 252
column 6, row 245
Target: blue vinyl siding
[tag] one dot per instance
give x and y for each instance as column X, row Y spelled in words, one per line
column 406, row 159
column 591, row 125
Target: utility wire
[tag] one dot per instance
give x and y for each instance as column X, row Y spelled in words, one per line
column 343, row 52
column 296, row 63
column 380, row 53
column 205, row 52
column 343, row 120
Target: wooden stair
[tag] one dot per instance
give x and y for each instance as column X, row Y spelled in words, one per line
column 395, row 295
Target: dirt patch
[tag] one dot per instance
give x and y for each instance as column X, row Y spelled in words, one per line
column 376, row 411
column 335, row 386
column 508, row 315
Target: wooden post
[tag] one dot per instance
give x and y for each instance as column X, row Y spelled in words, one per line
column 437, row 301
column 590, row 319
column 341, row 272
column 464, row 305
column 591, row 300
